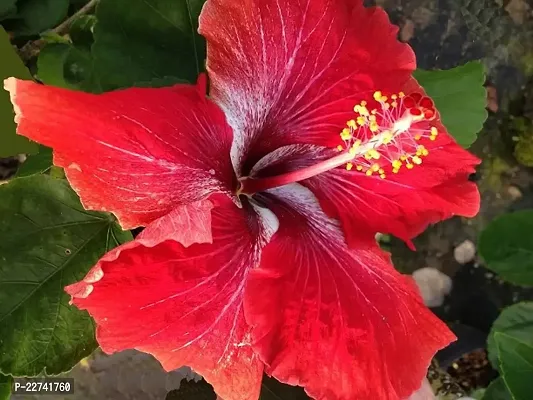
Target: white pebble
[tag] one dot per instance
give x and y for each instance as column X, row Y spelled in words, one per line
column 465, row 252
column 433, row 285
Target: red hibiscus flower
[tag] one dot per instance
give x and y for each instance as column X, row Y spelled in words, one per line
column 261, row 202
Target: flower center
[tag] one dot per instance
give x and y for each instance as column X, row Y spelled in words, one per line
column 377, row 141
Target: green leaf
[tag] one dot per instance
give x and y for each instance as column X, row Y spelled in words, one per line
column 271, row 389
column 5, row 387
column 515, row 321
column 460, row 98
column 140, row 40
column 37, row 163
column 48, row 241
column 36, row 16
column 497, row 390
column 7, row 9
column 81, row 31
column 506, row 245
column 516, row 364
column 63, row 65
column 11, row 65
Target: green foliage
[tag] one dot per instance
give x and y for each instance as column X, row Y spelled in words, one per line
column 506, row 245
column 497, row 390
column 516, row 365
column 48, row 242
column 5, row 387
column 36, row 16
column 37, row 163
column 11, row 65
column 460, row 98
column 516, row 321
column 138, row 41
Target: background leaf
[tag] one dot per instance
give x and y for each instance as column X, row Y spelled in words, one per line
column 48, row 242
column 36, row 16
column 11, row 65
column 7, row 8
column 66, row 66
column 515, row 321
column 5, row 387
column 140, row 40
column 460, row 98
column 36, row 163
column 497, row 390
column 506, row 245
column 516, row 364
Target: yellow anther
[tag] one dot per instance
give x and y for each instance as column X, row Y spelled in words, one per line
column 381, row 171
column 359, row 168
column 418, row 137
column 364, row 111
column 340, row 148
column 396, row 164
column 417, row 160
column 356, row 144
column 386, row 106
column 346, row 134
column 434, row 131
column 372, row 118
column 368, row 156
column 395, row 171
column 374, row 154
column 403, row 158
column 382, row 176
column 375, row 167
column 387, row 137
column 394, row 97
column 419, row 152
column 432, row 137
column 401, row 94
column 368, row 172
column 374, row 111
column 409, row 166
column 394, row 104
column 357, row 108
column 384, row 98
column 352, row 151
column 361, row 121
column 425, row 152
column 377, row 95
column 349, row 166
column 374, row 127
column 351, row 124
column 363, row 103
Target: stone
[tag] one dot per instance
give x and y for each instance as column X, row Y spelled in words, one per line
column 434, row 286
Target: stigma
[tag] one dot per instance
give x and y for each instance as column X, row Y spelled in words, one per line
column 390, row 137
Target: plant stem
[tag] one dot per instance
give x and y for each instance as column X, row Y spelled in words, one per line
column 32, row 49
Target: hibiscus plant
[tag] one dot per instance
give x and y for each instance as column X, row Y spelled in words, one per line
column 261, row 145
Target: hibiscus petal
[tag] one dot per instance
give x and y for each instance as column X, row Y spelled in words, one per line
column 135, row 152
column 183, row 304
column 341, row 322
column 187, row 224
column 289, row 71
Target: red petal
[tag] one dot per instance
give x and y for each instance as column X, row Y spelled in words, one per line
column 340, row 322
column 182, row 304
column 289, row 72
column 186, row 224
column 136, row 152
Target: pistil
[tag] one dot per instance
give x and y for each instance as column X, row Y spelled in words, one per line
column 375, row 140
